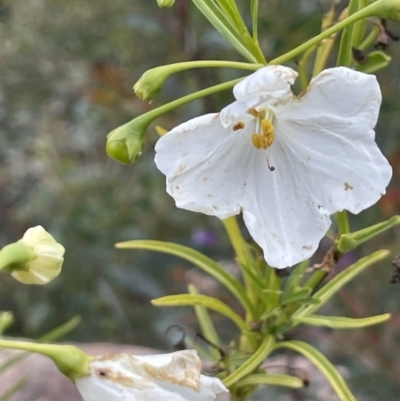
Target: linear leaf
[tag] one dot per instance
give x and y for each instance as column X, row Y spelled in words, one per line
column 61, row 330
column 337, row 322
column 16, row 387
column 323, row 364
column 201, row 300
column 339, row 281
column 253, row 362
column 206, row 324
column 201, row 261
column 225, row 27
column 272, row 380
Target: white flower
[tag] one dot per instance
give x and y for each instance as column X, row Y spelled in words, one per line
column 286, row 161
column 47, row 265
column 172, row 377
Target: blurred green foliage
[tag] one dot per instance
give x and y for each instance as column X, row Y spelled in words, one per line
column 66, row 73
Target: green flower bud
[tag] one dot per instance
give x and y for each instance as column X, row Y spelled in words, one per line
column 70, row 360
column 387, row 9
column 165, row 3
column 125, row 143
column 151, row 82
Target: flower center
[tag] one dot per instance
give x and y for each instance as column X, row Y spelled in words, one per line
column 264, row 136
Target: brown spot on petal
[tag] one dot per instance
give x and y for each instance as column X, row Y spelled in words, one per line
column 117, row 377
column 190, row 379
column 238, row 126
column 347, row 186
column 307, row 246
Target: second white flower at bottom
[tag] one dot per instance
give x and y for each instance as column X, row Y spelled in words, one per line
column 288, row 162
column 170, row 377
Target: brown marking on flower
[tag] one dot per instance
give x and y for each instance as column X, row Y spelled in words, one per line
column 308, row 247
column 254, row 112
column 347, row 186
column 190, row 378
column 238, row 126
column 117, row 377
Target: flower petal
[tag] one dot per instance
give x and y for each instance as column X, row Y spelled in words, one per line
column 42, row 270
column 36, row 234
column 328, row 133
column 278, row 210
column 267, row 86
column 200, row 159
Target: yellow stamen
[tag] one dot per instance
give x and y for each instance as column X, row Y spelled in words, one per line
column 268, row 131
column 266, row 138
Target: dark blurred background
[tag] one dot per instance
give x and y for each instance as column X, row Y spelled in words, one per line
column 66, row 76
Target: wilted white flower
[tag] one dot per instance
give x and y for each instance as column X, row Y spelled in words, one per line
column 169, row 377
column 47, row 265
column 288, row 162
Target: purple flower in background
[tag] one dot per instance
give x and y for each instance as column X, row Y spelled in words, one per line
column 204, row 238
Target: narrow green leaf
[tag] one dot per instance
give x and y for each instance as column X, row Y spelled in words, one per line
column 252, row 363
column 259, row 379
column 225, row 27
column 300, row 295
column 204, row 301
column 16, row 387
column 323, row 364
column 293, row 281
column 198, row 259
column 296, row 294
column 337, row 322
column 206, row 324
column 61, row 330
column 12, row 361
column 230, row 9
column 349, row 241
column 339, row 281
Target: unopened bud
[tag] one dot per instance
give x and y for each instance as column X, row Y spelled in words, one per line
column 386, row 9
column 165, row 3
column 125, row 143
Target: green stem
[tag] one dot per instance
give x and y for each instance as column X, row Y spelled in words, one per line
column 359, row 27
column 303, row 64
column 16, row 255
column 342, row 219
column 364, row 13
column 245, row 262
column 344, row 55
column 236, row 238
column 371, row 38
column 186, row 65
column 145, row 119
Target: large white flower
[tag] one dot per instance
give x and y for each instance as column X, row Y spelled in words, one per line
column 172, row 377
column 49, row 257
column 286, row 161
